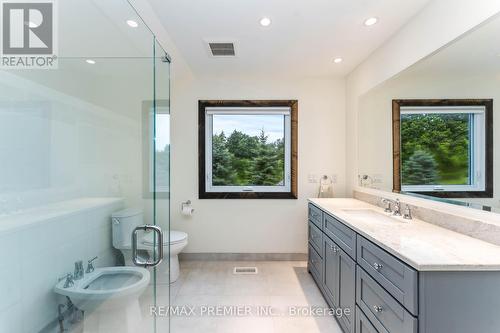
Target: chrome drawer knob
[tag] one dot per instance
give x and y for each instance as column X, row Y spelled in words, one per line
column 377, row 266
column 377, row 308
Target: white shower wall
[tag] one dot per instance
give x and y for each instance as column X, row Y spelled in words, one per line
column 67, row 165
column 59, row 147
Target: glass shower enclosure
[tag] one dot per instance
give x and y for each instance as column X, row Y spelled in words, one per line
column 84, row 160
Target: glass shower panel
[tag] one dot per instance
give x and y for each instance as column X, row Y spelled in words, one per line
column 161, row 167
column 74, row 145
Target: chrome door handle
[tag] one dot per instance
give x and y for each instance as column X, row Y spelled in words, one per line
column 135, row 251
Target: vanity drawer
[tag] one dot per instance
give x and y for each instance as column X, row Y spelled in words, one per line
column 383, row 311
column 315, row 215
column 363, row 324
column 315, row 265
column 315, row 238
column 399, row 279
column 340, row 234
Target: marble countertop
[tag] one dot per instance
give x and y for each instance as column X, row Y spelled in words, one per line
column 423, row 246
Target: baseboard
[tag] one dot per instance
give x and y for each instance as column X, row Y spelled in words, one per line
column 243, row 256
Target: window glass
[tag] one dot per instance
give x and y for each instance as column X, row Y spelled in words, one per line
column 248, row 150
column 436, row 149
column 162, row 150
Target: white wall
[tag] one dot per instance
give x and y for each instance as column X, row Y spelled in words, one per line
column 438, row 24
column 257, row 226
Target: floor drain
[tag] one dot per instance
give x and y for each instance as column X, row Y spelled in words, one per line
column 245, row 270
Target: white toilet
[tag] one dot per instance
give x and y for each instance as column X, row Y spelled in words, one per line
column 125, row 221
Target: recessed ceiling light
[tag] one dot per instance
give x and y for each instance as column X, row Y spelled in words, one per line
column 371, row 21
column 338, row 60
column 265, row 21
column 90, row 61
column 132, row 23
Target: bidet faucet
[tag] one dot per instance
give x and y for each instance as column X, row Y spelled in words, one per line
column 90, row 265
column 78, row 274
column 69, row 280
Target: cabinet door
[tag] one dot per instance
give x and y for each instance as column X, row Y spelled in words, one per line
column 347, row 290
column 331, row 254
column 363, row 325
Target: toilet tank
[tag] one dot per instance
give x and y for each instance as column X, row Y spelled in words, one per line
column 124, row 222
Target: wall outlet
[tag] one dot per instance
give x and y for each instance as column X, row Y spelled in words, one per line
column 312, row 178
column 377, row 179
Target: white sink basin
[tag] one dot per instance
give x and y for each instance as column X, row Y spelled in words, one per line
column 371, row 215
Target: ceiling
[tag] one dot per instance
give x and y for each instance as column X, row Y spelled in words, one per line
column 303, row 39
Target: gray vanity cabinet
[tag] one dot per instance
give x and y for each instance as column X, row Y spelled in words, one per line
column 331, row 271
column 363, row 324
column 386, row 295
column 347, row 290
column 339, row 276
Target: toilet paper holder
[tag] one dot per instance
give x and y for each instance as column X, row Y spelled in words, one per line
column 186, row 208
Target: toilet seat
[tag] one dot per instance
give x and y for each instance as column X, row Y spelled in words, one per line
column 176, row 237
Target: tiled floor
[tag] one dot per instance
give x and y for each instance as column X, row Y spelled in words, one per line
column 279, row 285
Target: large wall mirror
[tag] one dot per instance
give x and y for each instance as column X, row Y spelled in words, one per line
column 433, row 130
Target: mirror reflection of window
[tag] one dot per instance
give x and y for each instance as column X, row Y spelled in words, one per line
column 443, row 148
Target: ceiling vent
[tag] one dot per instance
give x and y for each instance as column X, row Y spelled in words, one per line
column 225, row 49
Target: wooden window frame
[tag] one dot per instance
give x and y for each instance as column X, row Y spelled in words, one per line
column 397, row 104
column 203, row 104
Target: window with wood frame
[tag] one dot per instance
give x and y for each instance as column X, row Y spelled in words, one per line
column 248, row 149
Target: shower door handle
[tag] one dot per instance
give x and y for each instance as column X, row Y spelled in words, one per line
column 159, row 246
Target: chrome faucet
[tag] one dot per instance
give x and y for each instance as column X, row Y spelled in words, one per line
column 387, row 204
column 407, row 213
column 396, row 211
column 78, row 274
column 397, row 208
column 90, row 265
column 69, row 280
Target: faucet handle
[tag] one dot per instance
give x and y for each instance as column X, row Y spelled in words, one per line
column 407, row 213
column 69, row 280
column 90, row 265
column 78, row 274
column 387, row 204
